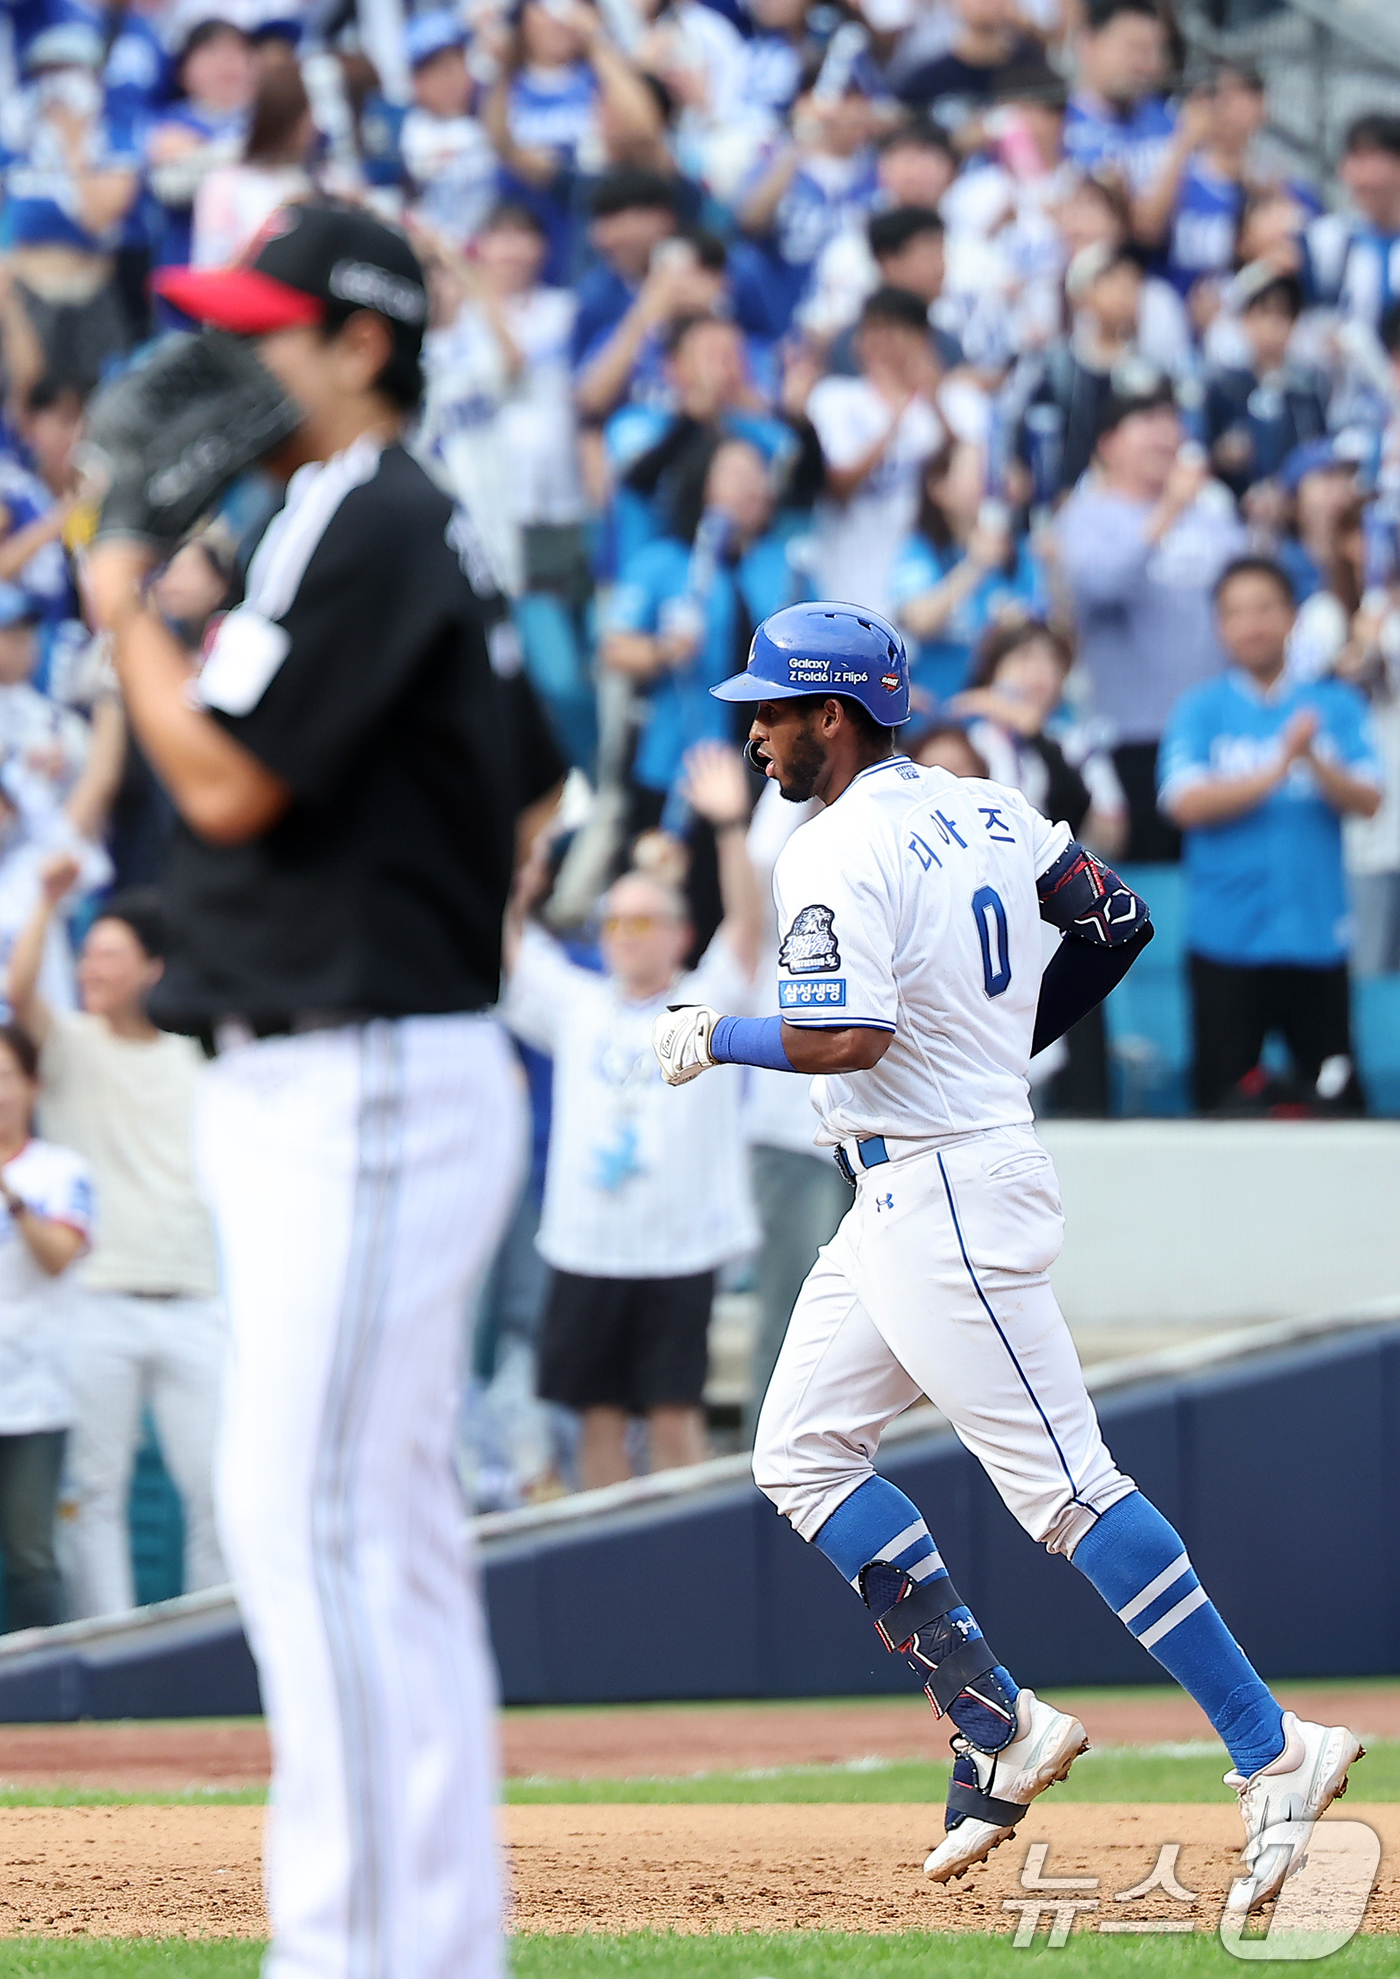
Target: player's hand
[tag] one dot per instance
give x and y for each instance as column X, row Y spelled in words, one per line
column 680, row 1037
column 716, row 784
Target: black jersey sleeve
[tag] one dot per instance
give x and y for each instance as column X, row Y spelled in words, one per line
column 382, row 603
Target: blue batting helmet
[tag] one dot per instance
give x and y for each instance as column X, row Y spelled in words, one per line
column 826, row 649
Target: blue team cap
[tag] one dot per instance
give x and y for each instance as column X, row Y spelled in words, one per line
column 428, row 35
column 68, row 44
column 17, row 607
column 826, row 649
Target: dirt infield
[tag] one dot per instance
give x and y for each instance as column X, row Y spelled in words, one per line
column 639, row 1740
column 146, row 1871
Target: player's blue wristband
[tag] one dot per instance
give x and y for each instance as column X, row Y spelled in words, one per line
column 750, row 1041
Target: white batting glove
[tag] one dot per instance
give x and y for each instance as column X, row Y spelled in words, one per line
column 681, row 1040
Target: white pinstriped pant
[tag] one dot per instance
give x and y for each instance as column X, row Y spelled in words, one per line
column 359, row 1180
column 937, row 1283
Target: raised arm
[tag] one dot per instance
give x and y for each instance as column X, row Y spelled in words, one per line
column 716, row 786
column 32, row 1014
column 89, row 803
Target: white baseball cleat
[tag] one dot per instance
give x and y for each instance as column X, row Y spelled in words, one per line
column 1282, row 1800
column 990, row 1791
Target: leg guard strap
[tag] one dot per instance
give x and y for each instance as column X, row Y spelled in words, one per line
column 916, row 1608
column 983, row 1806
column 952, row 1673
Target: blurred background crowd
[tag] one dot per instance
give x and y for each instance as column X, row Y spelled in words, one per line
column 1051, row 329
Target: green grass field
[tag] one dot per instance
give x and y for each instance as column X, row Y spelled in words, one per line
column 1108, row 1774
column 800, row 1955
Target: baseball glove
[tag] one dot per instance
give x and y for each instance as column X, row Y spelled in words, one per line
column 163, row 442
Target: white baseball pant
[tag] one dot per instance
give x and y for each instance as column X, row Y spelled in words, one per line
column 123, row 1351
column 937, row 1283
column 359, row 1180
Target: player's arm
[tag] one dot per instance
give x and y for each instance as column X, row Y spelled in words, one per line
column 1104, row 927
column 219, row 788
column 691, row 1037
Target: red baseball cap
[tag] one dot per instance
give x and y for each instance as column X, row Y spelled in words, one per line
column 310, row 264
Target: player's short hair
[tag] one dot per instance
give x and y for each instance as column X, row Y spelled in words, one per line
column 22, row 1049
column 1004, row 640
column 139, row 908
column 891, row 232
column 1379, row 130
column 1256, row 566
column 856, row 711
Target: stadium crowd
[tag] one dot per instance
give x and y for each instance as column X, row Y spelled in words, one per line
column 983, row 314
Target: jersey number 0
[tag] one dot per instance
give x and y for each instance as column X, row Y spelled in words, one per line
column 990, row 917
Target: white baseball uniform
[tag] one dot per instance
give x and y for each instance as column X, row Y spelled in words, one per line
column 910, row 906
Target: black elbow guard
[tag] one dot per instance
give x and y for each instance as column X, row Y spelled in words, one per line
column 1082, row 897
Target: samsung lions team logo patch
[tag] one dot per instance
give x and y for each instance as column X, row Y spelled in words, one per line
column 809, row 946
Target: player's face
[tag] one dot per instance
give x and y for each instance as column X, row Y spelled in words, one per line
column 793, row 745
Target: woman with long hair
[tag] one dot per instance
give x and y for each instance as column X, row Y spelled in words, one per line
column 959, row 572
column 234, row 201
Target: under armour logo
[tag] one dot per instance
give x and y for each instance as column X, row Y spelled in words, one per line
column 884, row 1202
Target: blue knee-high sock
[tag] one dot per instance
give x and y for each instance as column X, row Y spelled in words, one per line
column 1138, row 1564
column 877, row 1522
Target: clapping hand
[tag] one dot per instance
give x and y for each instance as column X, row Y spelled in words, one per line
column 716, row 784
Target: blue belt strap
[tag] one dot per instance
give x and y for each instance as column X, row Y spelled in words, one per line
column 873, row 1152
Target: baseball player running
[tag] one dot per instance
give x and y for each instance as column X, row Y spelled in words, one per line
column 910, row 983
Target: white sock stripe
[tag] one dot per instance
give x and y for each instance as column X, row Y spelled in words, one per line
column 922, row 1569
column 1195, row 1599
column 902, row 1541
column 1178, row 1567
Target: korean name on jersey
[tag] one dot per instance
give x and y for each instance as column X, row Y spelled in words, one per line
column 910, row 905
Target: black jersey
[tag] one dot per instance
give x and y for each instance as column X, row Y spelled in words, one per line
column 357, row 670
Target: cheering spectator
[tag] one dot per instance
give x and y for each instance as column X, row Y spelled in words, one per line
column 204, row 128
column 945, row 746
column 685, row 278
column 820, row 181
column 959, row 572
column 45, row 1224
column 148, row 1327
column 504, row 363
column 1258, row 771
column 1193, row 207
column 645, row 1192
column 68, row 187
column 36, row 497
column 1141, row 545
column 988, row 42
column 234, row 201
column 1353, row 260
column 567, row 99
column 1257, row 414
column 684, row 614
column 1010, row 707
column 1077, row 376
column 1318, row 485
column 659, row 456
column 1116, row 115
column 915, row 166
column 876, row 431
column 446, row 152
